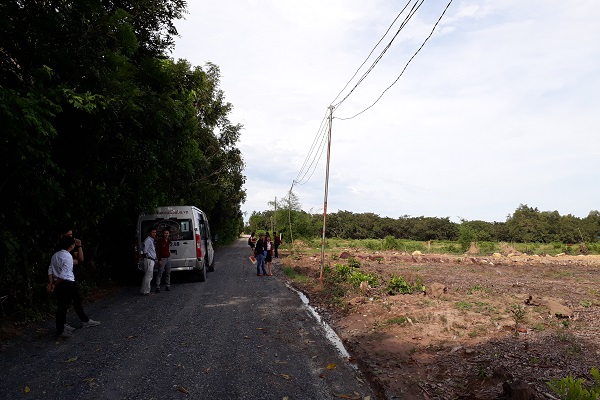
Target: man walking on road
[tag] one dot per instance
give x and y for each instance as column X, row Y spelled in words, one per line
column 149, row 260
column 163, row 251
column 259, row 253
column 62, row 283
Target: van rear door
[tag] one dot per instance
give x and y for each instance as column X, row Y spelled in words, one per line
column 183, row 248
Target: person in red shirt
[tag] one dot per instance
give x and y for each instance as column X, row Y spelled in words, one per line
column 163, row 254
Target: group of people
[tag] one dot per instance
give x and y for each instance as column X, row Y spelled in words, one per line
column 156, row 253
column 263, row 250
column 61, row 282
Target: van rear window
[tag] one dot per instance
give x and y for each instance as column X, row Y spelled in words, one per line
column 181, row 229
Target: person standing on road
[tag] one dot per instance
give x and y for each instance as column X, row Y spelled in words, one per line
column 149, row 260
column 277, row 242
column 61, row 282
column 269, row 255
column 252, row 242
column 163, row 253
column 259, row 253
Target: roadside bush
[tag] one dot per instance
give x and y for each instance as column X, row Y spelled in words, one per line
column 372, row 244
column 353, row 262
column 358, row 277
column 486, row 247
column 399, row 285
column 570, row 389
column 391, row 243
column 409, row 246
column 452, row 249
column 343, row 272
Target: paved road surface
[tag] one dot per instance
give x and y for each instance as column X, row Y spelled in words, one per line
column 235, row 336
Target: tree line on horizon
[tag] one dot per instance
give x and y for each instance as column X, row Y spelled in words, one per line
column 98, row 124
column 525, row 225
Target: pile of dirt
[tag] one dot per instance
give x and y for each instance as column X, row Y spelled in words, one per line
column 492, row 324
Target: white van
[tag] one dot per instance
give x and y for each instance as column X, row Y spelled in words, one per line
column 191, row 240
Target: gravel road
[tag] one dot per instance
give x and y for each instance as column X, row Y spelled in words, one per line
column 235, row 336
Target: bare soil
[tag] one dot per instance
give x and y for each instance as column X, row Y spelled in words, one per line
column 466, row 342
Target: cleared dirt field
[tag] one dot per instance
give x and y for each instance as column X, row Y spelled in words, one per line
column 493, row 325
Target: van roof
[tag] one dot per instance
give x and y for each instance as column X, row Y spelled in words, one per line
column 172, row 210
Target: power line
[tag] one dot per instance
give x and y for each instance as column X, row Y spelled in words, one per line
column 411, row 13
column 406, row 66
column 316, row 154
column 371, row 53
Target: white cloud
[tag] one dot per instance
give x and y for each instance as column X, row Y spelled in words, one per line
column 498, row 109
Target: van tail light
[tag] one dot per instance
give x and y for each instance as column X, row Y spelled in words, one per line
column 198, row 246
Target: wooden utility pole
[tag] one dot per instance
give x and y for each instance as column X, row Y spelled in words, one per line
column 326, row 194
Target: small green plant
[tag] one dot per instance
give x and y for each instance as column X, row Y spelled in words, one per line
column 379, row 260
column 482, row 372
column 397, row 320
column 463, row 305
column 358, row 277
column 585, row 303
column 539, row 327
column 353, row 262
column 518, row 313
column 575, row 389
column 474, row 289
column 399, row 285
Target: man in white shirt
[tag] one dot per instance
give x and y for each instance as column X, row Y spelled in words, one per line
column 62, row 283
column 149, row 261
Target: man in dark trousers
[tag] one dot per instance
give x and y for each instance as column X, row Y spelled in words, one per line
column 277, row 243
column 259, row 253
column 163, row 253
column 61, row 281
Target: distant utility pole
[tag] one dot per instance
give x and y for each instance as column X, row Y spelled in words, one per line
column 326, row 194
column 275, row 215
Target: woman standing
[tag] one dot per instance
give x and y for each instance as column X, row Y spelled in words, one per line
column 252, row 243
column 269, row 255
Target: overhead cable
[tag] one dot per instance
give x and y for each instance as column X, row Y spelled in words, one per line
column 311, row 153
column 371, row 53
column 405, row 66
column 411, row 13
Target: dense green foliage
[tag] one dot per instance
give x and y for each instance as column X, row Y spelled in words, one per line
column 99, row 124
column 525, row 225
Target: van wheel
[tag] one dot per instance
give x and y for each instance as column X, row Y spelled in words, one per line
column 211, row 267
column 200, row 276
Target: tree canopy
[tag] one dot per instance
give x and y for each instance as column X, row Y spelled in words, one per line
column 98, row 124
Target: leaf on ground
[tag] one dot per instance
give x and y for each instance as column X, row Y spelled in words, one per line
column 72, row 359
column 286, row 377
column 331, row 366
column 206, row 370
column 183, row 390
column 280, row 362
column 260, row 329
column 246, row 337
column 27, row 390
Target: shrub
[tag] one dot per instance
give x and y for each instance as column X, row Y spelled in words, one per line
column 372, row 244
column 357, row 277
column 570, row 389
column 399, row 285
column 353, row 262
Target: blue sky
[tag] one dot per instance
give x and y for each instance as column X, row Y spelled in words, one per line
column 500, row 107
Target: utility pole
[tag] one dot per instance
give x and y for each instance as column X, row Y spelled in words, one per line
column 275, row 215
column 326, row 194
